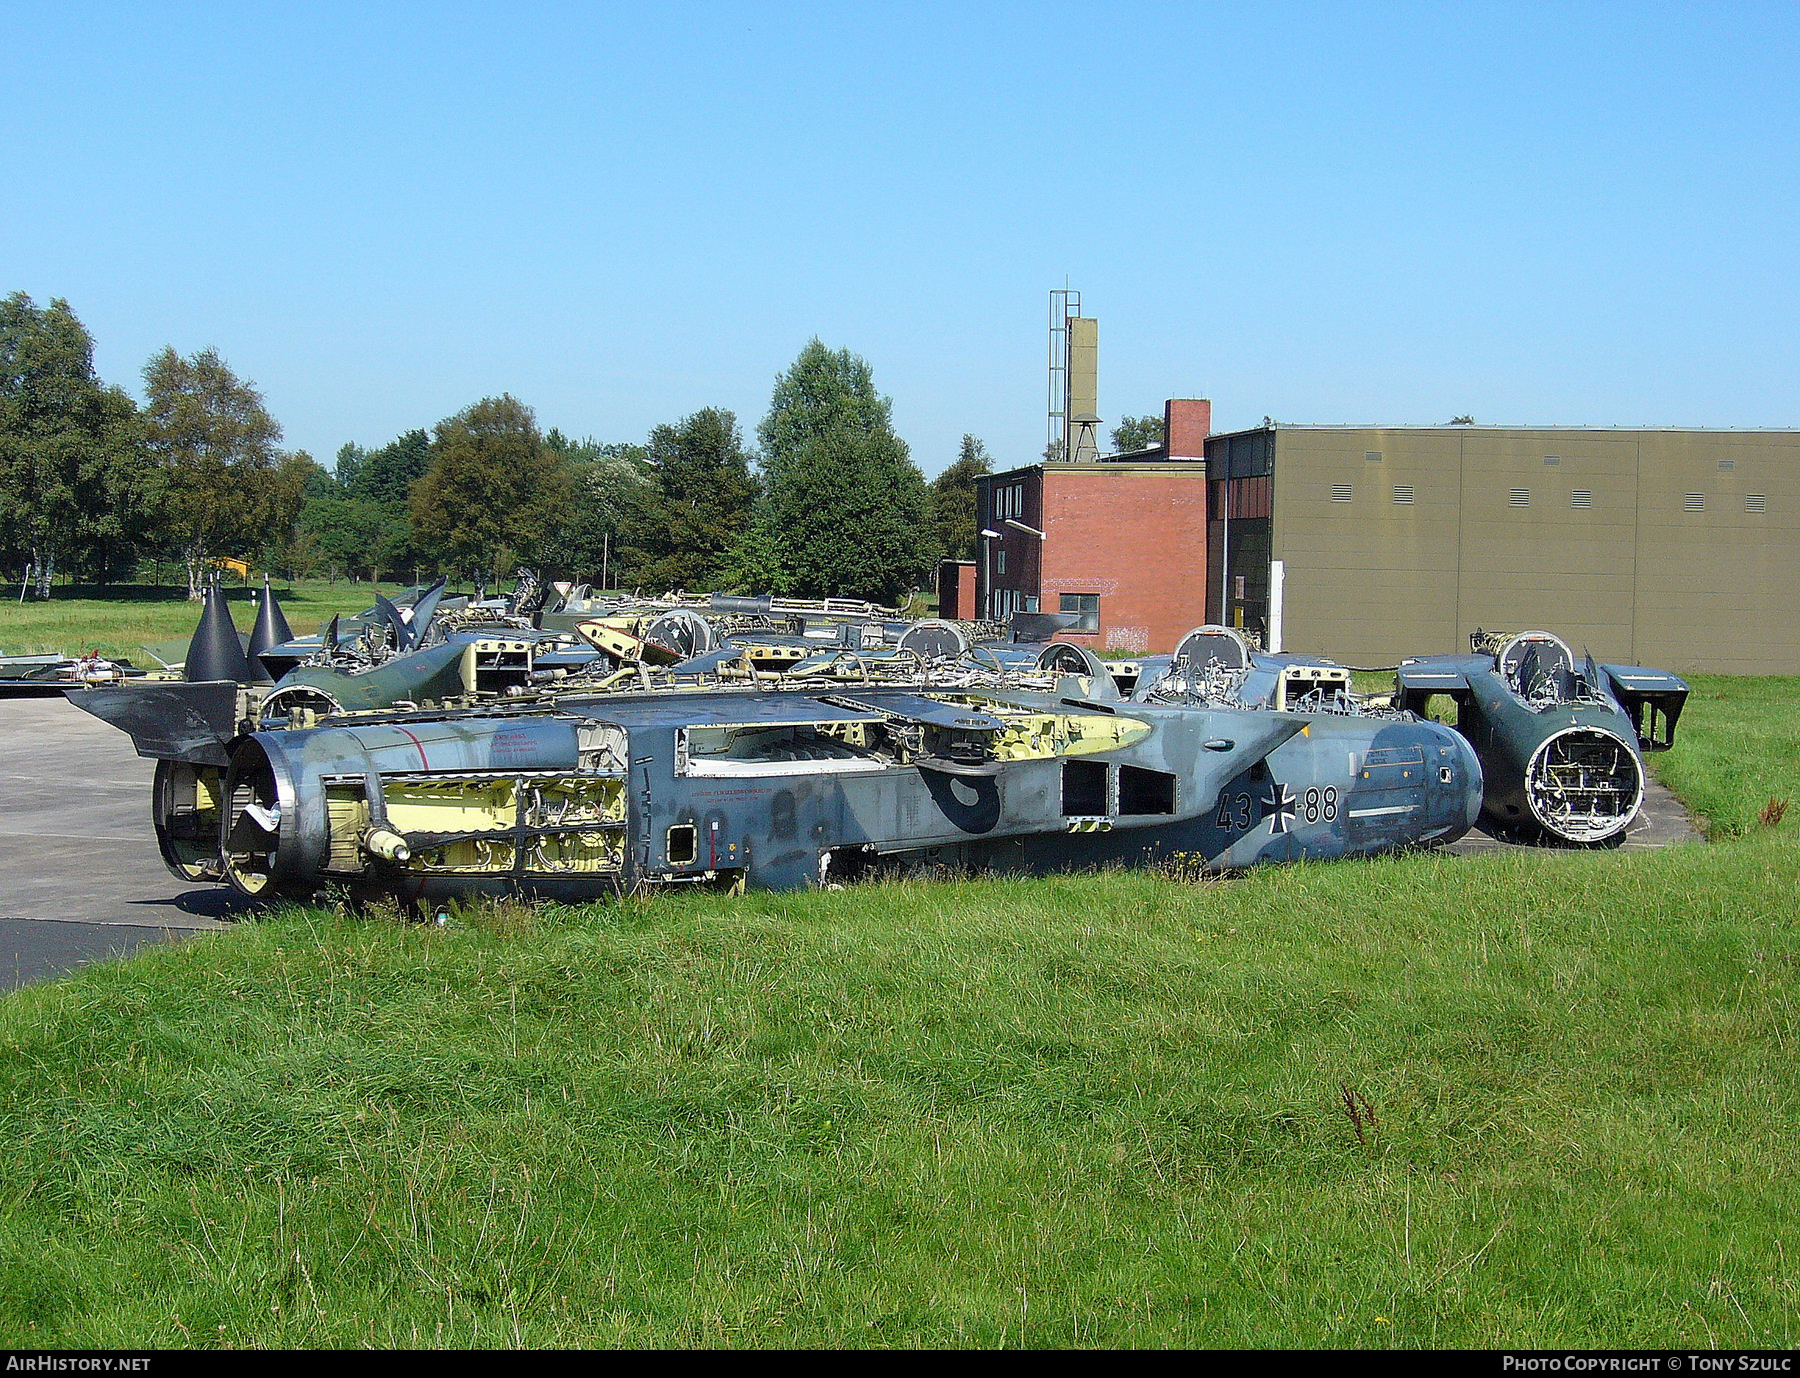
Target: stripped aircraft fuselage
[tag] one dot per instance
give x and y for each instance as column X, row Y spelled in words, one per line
column 783, row 789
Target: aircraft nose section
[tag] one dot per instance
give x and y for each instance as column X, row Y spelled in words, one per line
column 1584, row 784
column 1454, row 785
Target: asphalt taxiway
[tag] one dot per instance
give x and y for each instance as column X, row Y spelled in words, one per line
column 80, row 877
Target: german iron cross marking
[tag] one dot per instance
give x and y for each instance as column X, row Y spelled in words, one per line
column 1279, row 804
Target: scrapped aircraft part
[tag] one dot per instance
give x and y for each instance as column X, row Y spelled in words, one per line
column 1211, row 664
column 475, row 824
column 683, row 631
column 934, row 639
column 47, row 675
column 445, row 671
column 1652, row 699
column 398, row 626
column 169, row 720
column 1039, row 736
column 1314, row 688
column 1533, row 663
column 271, row 630
column 1559, row 742
column 423, row 611
column 1485, row 643
column 1040, row 626
column 185, row 809
column 1224, row 647
column 624, row 640
column 1062, row 658
column 760, row 786
column 216, row 652
column 736, row 603
column 297, row 701
column 1584, row 784
column 528, row 593
column 250, row 820
column 385, row 844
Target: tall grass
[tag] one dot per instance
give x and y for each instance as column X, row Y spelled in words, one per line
column 1737, row 747
column 1091, row 1110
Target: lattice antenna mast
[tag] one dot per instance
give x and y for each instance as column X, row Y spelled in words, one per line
column 1064, row 303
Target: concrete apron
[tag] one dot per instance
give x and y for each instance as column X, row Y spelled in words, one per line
column 80, row 877
column 1661, row 822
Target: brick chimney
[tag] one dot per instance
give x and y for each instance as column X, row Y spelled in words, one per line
column 1187, row 421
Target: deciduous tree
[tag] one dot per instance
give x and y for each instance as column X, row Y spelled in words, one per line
column 1137, row 433
column 494, row 492
column 609, row 485
column 953, row 500
column 72, row 471
column 846, row 512
column 703, row 500
column 214, row 444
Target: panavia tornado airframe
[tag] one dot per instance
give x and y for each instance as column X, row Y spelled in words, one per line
column 736, row 744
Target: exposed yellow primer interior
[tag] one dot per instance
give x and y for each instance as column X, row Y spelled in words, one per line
column 1036, row 736
column 588, row 815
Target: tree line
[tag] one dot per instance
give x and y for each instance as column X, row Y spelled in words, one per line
column 826, row 501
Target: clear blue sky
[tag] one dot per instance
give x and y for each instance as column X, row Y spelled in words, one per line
column 1560, row 214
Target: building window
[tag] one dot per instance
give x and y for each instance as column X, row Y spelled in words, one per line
column 1728, row 464
column 1521, row 497
column 999, row 562
column 1694, row 502
column 1003, row 603
column 1372, row 456
column 1087, row 606
column 1755, row 502
column 1551, row 461
column 1342, row 492
column 1403, row 492
column 1581, row 497
column 1240, row 586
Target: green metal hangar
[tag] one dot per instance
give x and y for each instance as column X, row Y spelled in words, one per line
column 1676, row 548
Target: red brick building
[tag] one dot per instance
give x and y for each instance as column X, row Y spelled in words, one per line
column 956, row 589
column 1119, row 542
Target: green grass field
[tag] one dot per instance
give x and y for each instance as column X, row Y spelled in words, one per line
column 121, row 627
column 1736, row 748
column 1095, row 1110
column 1102, row 1109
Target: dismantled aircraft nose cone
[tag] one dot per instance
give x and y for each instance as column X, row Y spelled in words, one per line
column 215, row 652
column 1584, row 784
